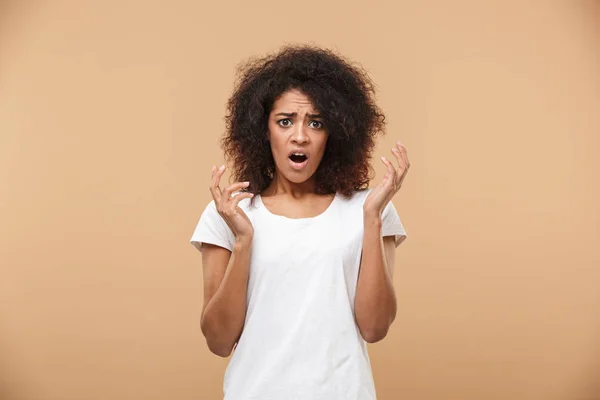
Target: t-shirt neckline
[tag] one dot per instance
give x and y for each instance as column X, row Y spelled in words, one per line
column 297, row 220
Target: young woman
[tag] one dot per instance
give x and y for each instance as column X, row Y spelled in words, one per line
column 298, row 254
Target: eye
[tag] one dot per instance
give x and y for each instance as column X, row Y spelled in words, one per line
column 287, row 120
column 319, row 124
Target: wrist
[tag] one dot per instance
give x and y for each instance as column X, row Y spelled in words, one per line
column 372, row 218
column 243, row 241
column 369, row 213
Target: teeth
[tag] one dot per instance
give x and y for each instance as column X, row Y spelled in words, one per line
column 298, row 154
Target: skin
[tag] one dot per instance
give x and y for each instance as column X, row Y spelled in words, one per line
column 294, row 124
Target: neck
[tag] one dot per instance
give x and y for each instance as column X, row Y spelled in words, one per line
column 281, row 186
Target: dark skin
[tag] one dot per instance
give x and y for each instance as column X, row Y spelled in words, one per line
column 294, row 125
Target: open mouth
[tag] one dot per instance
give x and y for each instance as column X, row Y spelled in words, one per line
column 298, row 160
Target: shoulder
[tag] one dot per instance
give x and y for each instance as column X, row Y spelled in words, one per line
column 357, row 197
column 357, row 200
column 244, row 204
column 248, row 207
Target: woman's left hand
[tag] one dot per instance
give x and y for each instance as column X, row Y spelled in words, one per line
column 390, row 184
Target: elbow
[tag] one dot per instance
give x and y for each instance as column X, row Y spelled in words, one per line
column 374, row 335
column 373, row 331
column 218, row 347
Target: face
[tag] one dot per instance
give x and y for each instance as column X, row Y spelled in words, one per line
column 297, row 135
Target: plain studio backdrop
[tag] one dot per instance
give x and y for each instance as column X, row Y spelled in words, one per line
column 110, row 116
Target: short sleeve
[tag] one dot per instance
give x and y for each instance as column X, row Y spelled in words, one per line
column 391, row 224
column 212, row 229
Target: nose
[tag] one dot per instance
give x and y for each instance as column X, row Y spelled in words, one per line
column 299, row 136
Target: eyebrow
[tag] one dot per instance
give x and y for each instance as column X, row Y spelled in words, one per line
column 294, row 114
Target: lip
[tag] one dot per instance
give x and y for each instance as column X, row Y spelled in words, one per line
column 298, row 166
column 299, row 151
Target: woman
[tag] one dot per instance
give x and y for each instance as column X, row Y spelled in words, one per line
column 298, row 254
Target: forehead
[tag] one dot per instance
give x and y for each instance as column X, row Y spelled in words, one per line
column 293, row 100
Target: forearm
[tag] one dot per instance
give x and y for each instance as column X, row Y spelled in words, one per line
column 223, row 318
column 375, row 302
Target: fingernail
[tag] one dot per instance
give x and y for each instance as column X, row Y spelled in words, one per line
column 383, row 158
column 222, row 167
column 213, row 168
column 246, row 183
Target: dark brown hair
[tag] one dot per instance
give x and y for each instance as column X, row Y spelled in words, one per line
column 342, row 93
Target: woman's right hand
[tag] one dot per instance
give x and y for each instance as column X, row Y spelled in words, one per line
column 227, row 206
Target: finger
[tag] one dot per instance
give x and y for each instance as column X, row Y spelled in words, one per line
column 405, row 164
column 403, row 153
column 212, row 180
column 395, row 177
column 215, row 189
column 240, row 196
column 234, row 187
column 402, row 166
column 388, row 164
column 390, row 167
column 399, row 159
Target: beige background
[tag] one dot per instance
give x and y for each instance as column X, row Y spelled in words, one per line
column 110, row 112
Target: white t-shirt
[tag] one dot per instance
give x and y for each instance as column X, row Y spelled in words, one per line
column 300, row 340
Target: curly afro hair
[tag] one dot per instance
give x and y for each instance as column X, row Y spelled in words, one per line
column 343, row 94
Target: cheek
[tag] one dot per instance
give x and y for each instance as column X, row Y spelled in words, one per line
column 322, row 145
column 277, row 146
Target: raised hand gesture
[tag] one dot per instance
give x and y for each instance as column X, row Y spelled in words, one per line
column 226, row 202
column 390, row 184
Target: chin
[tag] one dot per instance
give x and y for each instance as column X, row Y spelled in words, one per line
column 297, row 178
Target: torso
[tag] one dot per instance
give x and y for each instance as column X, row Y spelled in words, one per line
column 309, row 207
column 300, row 338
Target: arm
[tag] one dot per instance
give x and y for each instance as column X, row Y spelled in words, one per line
column 225, row 282
column 226, row 272
column 375, row 301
